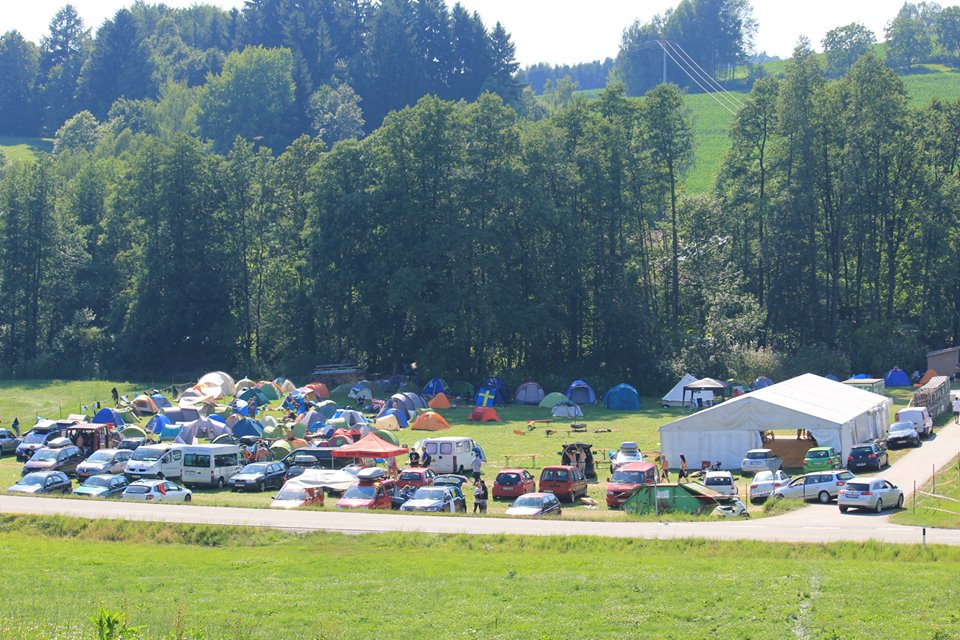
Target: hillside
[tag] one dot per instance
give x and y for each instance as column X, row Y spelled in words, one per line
column 16, row 148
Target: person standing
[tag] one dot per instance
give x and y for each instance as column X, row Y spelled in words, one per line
column 683, row 469
column 116, row 395
column 425, row 459
column 476, row 465
column 664, row 468
column 15, row 425
column 956, row 410
column 480, row 496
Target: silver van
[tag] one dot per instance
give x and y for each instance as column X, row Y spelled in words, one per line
column 210, row 465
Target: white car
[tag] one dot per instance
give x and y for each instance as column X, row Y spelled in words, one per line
column 760, row 460
column 628, row 452
column 870, row 493
column 822, row 486
column 156, row 491
column 765, row 482
column 721, row 482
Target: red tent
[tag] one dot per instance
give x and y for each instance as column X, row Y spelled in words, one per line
column 320, row 389
column 484, row 414
column 370, row 446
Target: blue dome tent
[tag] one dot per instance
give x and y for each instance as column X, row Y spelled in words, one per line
column 581, row 393
column 435, row 386
column 896, row 377
column 247, row 427
column 622, row 397
column 108, row 416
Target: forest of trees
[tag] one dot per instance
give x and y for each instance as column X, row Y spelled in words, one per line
column 469, row 239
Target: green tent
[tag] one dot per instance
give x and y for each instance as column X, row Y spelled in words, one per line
column 271, row 390
column 280, row 449
column 461, row 389
column 256, row 394
column 389, row 436
column 275, row 432
column 299, row 429
column 552, row 399
column 127, row 414
column 133, row 432
column 327, row 408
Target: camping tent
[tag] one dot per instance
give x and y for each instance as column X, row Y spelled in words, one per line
column 244, row 383
column 407, row 402
column 762, row 382
column 223, row 382
column 350, row 417
column 247, row 427
column 327, row 408
column 319, row 389
column 181, row 414
column 492, row 393
column 285, row 385
column 311, row 418
column 896, row 377
column 280, row 449
column 674, row 397
column 170, row 432
column 435, row 386
column 484, row 414
column 567, row 410
column 370, row 446
column 388, row 422
column 270, row 389
column 108, row 416
column 529, row 393
column 431, row 421
column 552, row 399
column 440, row 401
column 835, row 414
column 704, row 384
column 581, row 393
column 133, row 431
column 157, row 423
column 461, row 389
column 161, row 401
column 254, row 393
column 388, row 436
column 622, row 397
column 361, row 391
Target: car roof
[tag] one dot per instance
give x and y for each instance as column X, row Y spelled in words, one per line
column 714, row 474
column 45, row 472
column 637, row 466
column 906, row 422
column 559, row 466
column 629, row 445
column 536, row 495
column 512, row 470
column 819, row 449
column 760, row 451
column 414, row 469
column 148, row 483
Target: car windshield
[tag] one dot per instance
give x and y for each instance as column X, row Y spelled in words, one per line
column 757, row 455
column 630, row 477
column 291, row 493
column 528, row 501
column 846, row 475
column 429, row 493
column 508, row 479
column 719, row 480
column 146, row 455
column 763, row 476
column 821, row 453
column 34, row 438
column 901, row 426
column 97, row 481
column 858, row 486
column 410, row 475
column 255, row 468
column 101, row 456
column 44, row 455
column 31, row 479
column 360, row 492
column 137, row 488
column 861, row 450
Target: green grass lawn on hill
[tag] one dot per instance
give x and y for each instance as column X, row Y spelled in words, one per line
column 18, row 148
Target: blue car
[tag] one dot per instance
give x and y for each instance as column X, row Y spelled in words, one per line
column 102, row 485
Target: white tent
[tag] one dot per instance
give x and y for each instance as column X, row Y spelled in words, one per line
column 567, row 410
column 835, row 414
column 674, row 397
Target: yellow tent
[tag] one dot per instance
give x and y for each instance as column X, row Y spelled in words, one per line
column 430, row 421
column 387, row 423
column 440, row 401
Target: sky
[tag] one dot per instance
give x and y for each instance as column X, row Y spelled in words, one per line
column 554, row 31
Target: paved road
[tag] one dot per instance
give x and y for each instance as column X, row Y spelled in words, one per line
column 816, row 523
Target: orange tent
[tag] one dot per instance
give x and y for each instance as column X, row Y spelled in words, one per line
column 370, row 446
column 484, row 414
column 320, row 389
column 430, row 421
column 440, row 401
column 927, row 376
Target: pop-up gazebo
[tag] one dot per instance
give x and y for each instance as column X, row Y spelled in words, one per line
column 370, row 446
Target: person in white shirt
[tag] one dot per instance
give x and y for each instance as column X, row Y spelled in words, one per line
column 475, row 465
column 956, row 410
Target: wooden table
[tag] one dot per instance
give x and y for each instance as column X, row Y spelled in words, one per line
column 532, row 457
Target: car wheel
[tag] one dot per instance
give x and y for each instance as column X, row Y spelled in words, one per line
column 879, row 506
column 843, row 509
column 900, row 502
column 220, row 482
column 187, row 498
column 159, row 476
column 823, row 497
column 260, row 486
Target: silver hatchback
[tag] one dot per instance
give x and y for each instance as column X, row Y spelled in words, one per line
column 760, row 460
column 822, row 486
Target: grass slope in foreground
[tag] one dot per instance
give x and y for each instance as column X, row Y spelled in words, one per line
column 241, row 583
column 943, row 511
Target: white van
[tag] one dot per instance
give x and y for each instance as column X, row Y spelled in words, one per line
column 920, row 417
column 451, row 454
column 155, row 461
column 210, row 464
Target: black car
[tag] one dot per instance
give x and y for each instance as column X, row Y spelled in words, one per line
column 42, row 482
column 259, row 476
column 63, row 459
column 131, row 444
column 869, row 455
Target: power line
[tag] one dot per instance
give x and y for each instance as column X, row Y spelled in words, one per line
column 709, row 92
column 703, row 74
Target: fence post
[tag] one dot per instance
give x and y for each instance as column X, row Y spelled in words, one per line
column 914, row 497
column 934, row 476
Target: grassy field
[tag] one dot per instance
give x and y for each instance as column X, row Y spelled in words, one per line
column 928, row 511
column 606, row 430
column 276, row 585
column 16, row 148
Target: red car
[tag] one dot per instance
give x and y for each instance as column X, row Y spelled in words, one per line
column 513, row 483
column 367, row 495
column 564, row 481
column 415, row 477
column 626, row 479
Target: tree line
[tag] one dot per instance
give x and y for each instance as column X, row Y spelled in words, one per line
column 470, row 239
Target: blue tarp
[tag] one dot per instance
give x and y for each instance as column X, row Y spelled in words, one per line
column 622, row 397
column 435, row 386
column 896, row 377
column 860, row 376
column 157, row 423
column 762, row 382
column 108, row 416
column 581, row 393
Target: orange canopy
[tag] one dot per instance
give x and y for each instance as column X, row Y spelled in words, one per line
column 430, row 421
column 928, row 376
column 440, row 401
column 370, row 446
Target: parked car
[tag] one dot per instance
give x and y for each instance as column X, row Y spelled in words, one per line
column 760, row 460
column 627, row 453
column 103, row 461
column 211, row 465
column 368, row 495
column 36, row 439
column 513, row 483
column 295, row 494
column 868, row 454
column 721, row 482
column 535, row 504
column 156, row 491
column 9, row 441
column 626, row 479
column 435, row 499
column 450, row 480
column 158, row 461
column 903, row 433
column 132, row 444
column 822, row 486
column 563, row 481
column 102, row 485
column 451, row 454
column 920, row 417
column 870, row 493
column 415, row 477
column 313, row 458
column 64, row 459
column 42, row 482
column 765, row 482
column 259, row 476
column 821, row 459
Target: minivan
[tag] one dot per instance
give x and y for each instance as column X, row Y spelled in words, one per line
column 36, row 439
column 920, row 417
column 564, row 481
column 451, row 454
column 155, row 461
column 210, row 464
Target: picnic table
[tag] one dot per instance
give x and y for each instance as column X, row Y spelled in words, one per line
column 531, row 456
